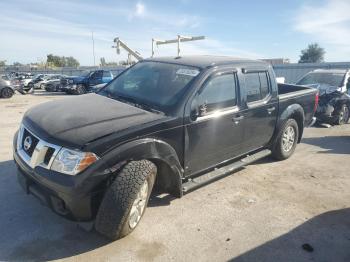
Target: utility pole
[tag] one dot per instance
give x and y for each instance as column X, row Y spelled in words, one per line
column 93, row 47
column 178, row 40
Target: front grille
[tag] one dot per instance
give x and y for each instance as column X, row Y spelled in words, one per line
column 35, row 151
column 29, row 142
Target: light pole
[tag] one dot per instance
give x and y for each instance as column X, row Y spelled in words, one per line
column 93, row 47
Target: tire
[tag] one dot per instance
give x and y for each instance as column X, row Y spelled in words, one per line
column 49, row 88
column 114, row 218
column 80, row 90
column 343, row 115
column 30, row 86
column 6, row 92
column 284, row 146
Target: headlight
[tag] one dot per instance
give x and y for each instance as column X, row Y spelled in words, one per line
column 71, row 81
column 72, row 162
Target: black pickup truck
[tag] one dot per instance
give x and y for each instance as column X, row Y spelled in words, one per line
column 174, row 123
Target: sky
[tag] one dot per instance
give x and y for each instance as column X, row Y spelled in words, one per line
column 31, row 29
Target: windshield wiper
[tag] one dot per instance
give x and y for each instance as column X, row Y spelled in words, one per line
column 136, row 103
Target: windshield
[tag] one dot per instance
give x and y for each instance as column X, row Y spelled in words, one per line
column 328, row 79
column 86, row 73
column 152, row 83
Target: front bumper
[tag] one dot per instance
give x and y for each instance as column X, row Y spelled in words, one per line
column 74, row 197
column 326, row 114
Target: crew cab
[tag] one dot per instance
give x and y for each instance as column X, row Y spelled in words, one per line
column 334, row 91
column 174, row 123
column 85, row 83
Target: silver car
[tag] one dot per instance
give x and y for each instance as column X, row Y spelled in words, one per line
column 6, row 90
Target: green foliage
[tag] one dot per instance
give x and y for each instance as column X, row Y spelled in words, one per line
column 104, row 63
column 61, row 61
column 312, row 54
column 2, row 62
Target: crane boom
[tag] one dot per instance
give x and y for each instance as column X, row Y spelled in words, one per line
column 120, row 44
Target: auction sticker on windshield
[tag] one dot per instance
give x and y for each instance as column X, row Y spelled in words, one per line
column 187, row 72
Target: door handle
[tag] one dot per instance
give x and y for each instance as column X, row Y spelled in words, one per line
column 237, row 119
column 271, row 109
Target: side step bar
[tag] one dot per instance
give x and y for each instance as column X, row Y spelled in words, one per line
column 216, row 174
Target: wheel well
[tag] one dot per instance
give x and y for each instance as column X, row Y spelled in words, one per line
column 299, row 118
column 167, row 180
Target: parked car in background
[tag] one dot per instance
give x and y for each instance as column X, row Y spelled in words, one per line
column 33, row 84
column 176, row 123
column 49, row 77
column 25, row 78
column 334, row 91
column 83, row 84
column 53, row 85
column 6, row 90
column 6, row 78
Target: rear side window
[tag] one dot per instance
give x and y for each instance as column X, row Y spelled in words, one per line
column 257, row 86
column 106, row 74
column 219, row 92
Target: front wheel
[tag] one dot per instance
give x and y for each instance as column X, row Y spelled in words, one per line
column 80, row 90
column 6, row 92
column 343, row 115
column 126, row 199
column 286, row 140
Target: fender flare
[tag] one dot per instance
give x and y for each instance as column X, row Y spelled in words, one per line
column 296, row 112
column 159, row 152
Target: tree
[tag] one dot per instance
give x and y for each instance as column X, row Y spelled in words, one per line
column 61, row 61
column 71, row 61
column 2, row 63
column 17, row 64
column 102, row 61
column 312, row 54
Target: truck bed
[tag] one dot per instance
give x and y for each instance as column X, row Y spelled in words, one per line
column 295, row 94
column 289, row 90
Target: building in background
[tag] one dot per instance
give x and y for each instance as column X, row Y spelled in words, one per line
column 276, row 61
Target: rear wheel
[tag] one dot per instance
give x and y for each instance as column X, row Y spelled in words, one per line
column 125, row 201
column 343, row 115
column 7, row 92
column 286, row 140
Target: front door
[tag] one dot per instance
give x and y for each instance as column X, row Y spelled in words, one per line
column 216, row 134
column 260, row 116
column 96, row 78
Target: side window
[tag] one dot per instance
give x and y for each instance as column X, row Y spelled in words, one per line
column 97, row 75
column 257, row 86
column 106, row 74
column 252, row 85
column 219, row 92
column 264, row 85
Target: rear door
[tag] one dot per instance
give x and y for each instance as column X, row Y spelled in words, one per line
column 107, row 76
column 216, row 134
column 260, row 115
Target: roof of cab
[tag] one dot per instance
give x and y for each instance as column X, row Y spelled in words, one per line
column 331, row 71
column 205, row 61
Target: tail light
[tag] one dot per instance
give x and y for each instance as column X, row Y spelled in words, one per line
column 317, row 98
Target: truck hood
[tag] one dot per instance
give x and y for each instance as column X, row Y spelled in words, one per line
column 76, row 121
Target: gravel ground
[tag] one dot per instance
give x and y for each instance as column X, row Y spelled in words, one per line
column 265, row 212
